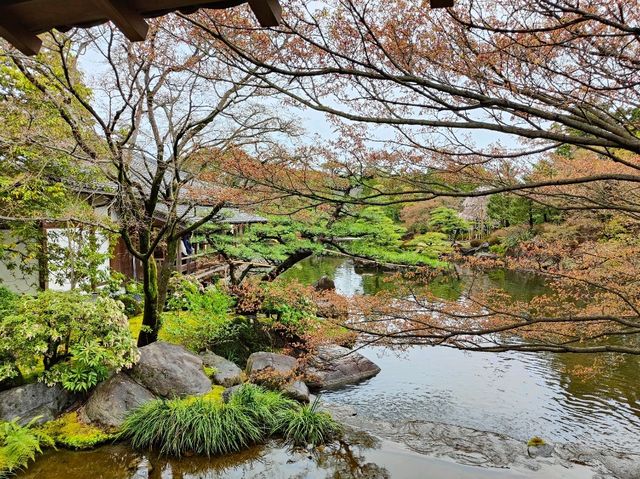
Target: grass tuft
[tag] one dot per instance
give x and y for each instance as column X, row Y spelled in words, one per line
column 306, row 425
column 207, row 426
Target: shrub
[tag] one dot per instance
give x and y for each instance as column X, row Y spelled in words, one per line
column 19, row 445
column 189, row 295
column 76, row 339
column 68, row 431
column 306, row 425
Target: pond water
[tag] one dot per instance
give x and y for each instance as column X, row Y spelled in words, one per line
column 517, row 394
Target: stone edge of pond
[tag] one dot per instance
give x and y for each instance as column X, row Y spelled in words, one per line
column 488, row 449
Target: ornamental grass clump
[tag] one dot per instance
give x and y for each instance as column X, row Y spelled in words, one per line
column 207, row 426
column 306, row 425
column 201, row 426
column 262, row 405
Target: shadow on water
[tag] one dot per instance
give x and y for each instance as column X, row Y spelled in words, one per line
column 517, row 394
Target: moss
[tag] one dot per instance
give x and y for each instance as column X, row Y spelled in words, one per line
column 535, row 441
column 210, row 372
column 68, row 431
column 215, row 395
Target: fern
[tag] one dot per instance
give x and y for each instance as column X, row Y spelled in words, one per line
column 19, row 445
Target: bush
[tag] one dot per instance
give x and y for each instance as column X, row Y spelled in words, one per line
column 76, row 340
column 189, row 295
column 68, row 431
column 306, row 425
column 19, row 445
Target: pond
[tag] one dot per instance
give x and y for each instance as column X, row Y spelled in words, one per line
column 517, row 394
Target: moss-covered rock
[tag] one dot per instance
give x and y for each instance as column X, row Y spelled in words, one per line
column 70, row 432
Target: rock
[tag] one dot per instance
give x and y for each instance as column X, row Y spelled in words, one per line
column 334, row 366
column 280, row 365
column 113, row 399
column 227, row 393
column 324, row 284
column 297, row 390
column 327, row 308
column 227, row 373
column 170, row 371
column 33, row 400
column 543, row 450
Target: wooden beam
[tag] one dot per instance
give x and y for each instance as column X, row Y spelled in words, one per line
column 268, row 12
column 21, row 38
column 441, row 3
column 128, row 21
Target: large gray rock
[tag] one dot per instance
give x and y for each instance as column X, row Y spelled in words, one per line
column 227, row 373
column 278, row 364
column 113, row 399
column 297, row 390
column 334, row 366
column 33, row 400
column 170, row 371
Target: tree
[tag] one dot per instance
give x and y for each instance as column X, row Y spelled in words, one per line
column 447, row 221
column 551, row 80
column 160, row 111
column 36, row 167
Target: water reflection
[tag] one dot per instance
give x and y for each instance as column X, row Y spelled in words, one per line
column 358, row 456
column 555, row 396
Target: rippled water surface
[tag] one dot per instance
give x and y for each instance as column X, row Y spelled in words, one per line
column 518, row 394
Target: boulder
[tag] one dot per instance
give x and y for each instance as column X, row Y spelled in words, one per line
column 170, row 371
column 334, row 366
column 227, row 373
column 33, row 400
column 280, row 365
column 113, row 399
column 324, row 284
column 297, row 390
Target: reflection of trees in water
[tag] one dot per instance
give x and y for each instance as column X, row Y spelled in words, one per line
column 606, row 376
column 346, row 459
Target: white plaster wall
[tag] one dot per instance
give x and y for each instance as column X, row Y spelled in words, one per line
column 14, row 279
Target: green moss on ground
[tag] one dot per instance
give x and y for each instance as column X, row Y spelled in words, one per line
column 70, row 432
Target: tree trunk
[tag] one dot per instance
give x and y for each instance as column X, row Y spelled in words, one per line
column 166, row 270
column 151, row 317
column 43, row 258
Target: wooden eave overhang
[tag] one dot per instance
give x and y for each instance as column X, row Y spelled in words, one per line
column 22, row 20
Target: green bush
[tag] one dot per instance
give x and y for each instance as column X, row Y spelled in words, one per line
column 306, row 425
column 74, row 339
column 19, row 445
column 189, row 295
column 8, row 302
